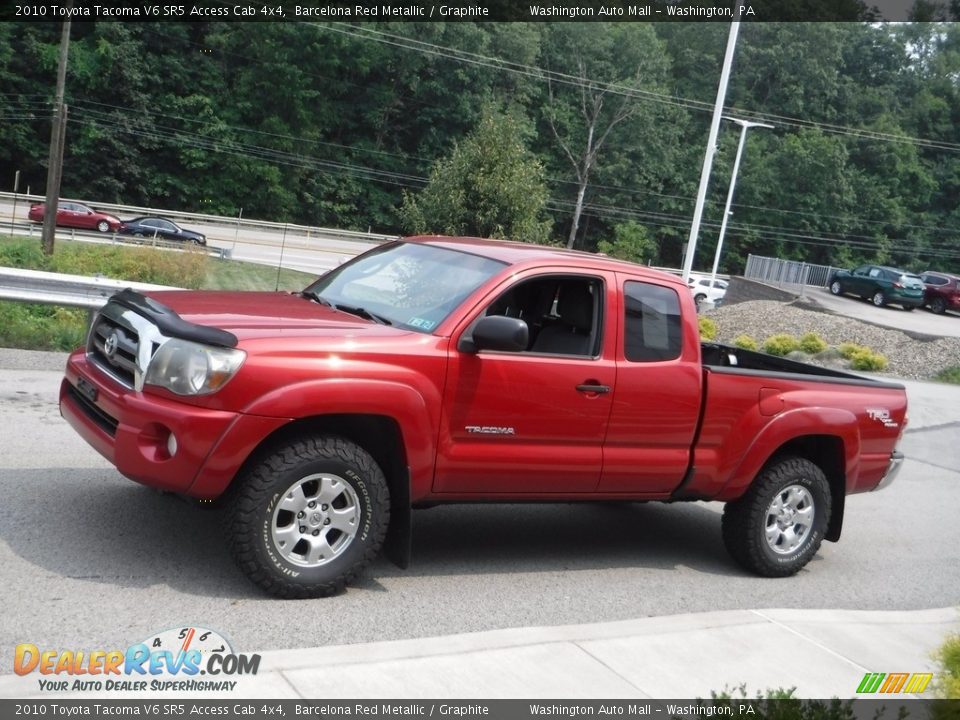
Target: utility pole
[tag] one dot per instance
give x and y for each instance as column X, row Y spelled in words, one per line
column 711, row 143
column 744, row 126
column 57, row 136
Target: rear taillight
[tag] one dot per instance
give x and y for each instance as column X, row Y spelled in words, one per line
column 898, row 285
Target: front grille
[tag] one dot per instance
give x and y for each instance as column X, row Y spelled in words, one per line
column 113, row 347
column 103, row 420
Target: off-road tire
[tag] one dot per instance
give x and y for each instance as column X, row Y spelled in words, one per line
column 745, row 520
column 255, row 502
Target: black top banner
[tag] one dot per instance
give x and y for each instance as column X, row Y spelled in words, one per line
column 483, row 11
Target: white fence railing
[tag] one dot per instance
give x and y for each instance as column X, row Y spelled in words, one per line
column 787, row 273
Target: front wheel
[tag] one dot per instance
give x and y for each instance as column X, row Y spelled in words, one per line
column 836, row 288
column 309, row 517
column 879, row 299
column 777, row 526
column 909, row 308
column 103, row 226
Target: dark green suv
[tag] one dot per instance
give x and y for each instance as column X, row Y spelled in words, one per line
column 881, row 285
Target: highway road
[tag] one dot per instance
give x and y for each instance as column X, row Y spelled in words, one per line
column 90, row 560
column 266, row 246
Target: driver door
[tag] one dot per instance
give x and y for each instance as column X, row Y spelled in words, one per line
column 532, row 422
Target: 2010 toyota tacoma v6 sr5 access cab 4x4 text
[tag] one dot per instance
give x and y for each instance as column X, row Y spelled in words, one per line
column 437, row 370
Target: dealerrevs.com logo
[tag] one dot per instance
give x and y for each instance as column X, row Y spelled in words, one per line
column 180, row 659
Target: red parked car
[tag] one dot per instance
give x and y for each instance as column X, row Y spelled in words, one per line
column 77, row 215
column 942, row 291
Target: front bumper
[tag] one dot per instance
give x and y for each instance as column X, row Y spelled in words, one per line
column 893, row 469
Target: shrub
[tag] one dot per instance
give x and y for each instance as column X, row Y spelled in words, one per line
column 848, row 350
column 866, row 359
column 745, row 342
column 781, row 345
column 708, row 328
column 950, row 375
column 948, row 679
column 811, row 343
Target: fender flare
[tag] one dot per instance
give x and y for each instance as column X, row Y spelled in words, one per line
column 793, row 425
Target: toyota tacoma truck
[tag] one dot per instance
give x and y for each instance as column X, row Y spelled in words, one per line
column 448, row 370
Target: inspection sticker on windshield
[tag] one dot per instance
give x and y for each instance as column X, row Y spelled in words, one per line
column 418, row 322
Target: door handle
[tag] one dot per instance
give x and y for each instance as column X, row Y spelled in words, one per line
column 599, row 389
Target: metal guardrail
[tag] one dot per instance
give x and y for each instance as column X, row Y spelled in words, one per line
column 117, row 238
column 787, row 273
column 241, row 223
column 48, row 288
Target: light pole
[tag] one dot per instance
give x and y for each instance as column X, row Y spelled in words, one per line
column 744, row 126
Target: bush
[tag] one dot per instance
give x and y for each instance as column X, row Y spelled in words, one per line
column 41, row 327
column 745, row 342
column 848, row 350
column 781, row 345
column 866, row 359
column 708, row 328
column 948, row 679
column 811, row 343
column 950, row 375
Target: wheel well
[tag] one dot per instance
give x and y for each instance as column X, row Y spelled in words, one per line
column 827, row 453
column 379, row 435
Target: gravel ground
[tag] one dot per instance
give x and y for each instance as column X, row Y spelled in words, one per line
column 909, row 357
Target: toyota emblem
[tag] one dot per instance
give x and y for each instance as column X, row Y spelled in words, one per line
column 110, row 345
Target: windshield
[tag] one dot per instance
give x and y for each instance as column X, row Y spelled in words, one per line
column 404, row 284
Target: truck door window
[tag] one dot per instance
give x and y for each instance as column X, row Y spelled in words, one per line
column 652, row 328
column 562, row 313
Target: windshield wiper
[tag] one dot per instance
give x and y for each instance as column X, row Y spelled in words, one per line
column 316, row 297
column 364, row 313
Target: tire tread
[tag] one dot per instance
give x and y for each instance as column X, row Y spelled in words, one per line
column 743, row 539
column 258, row 483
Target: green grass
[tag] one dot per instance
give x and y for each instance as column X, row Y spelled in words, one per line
column 950, row 375
column 49, row 327
column 232, row 275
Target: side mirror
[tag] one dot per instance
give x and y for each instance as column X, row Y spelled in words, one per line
column 498, row 332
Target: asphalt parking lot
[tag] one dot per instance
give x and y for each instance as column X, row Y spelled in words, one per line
column 93, row 560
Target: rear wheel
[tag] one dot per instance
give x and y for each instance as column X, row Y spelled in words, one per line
column 777, row 526
column 309, row 517
column 699, row 298
column 879, row 299
column 909, row 308
column 938, row 306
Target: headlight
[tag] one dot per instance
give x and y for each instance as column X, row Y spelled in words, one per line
column 188, row 368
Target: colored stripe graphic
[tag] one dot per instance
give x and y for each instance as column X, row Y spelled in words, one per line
column 870, row 682
column 894, row 682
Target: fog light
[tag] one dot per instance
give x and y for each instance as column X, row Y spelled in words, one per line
column 171, row 444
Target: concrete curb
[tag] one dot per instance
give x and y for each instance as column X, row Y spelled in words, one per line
column 822, row 653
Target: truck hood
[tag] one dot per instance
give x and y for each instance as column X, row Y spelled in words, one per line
column 264, row 314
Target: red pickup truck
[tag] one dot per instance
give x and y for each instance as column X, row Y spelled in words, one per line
column 435, row 370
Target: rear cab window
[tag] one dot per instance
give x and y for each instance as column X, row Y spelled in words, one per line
column 653, row 330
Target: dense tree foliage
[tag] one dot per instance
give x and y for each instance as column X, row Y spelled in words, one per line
column 334, row 124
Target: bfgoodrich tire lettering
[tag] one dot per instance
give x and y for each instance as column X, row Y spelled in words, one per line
column 309, row 517
column 777, row 526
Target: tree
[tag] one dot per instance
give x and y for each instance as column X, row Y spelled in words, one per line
column 491, row 185
column 631, row 241
column 594, row 73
